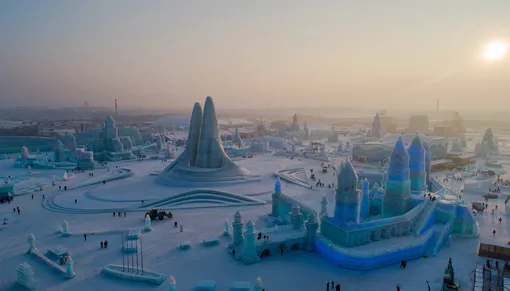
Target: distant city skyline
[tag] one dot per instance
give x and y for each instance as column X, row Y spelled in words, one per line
column 389, row 54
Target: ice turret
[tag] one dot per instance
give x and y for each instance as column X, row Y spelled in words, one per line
column 59, row 152
column 347, row 198
column 295, row 217
column 237, row 229
column 365, row 198
column 72, row 143
column 417, row 165
column 250, row 255
column 194, row 134
column 428, row 161
column 398, row 185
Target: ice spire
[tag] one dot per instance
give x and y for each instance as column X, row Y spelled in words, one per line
column 210, row 148
column 194, row 134
column 417, row 164
column 377, row 130
column 365, row 198
column 398, row 185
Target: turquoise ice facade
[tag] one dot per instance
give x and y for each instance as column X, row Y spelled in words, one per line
column 417, row 165
column 398, row 185
column 347, row 197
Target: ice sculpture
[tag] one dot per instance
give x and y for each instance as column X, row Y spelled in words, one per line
column 312, row 226
column 65, row 229
column 250, row 244
column 227, row 228
column 64, row 177
column 31, row 243
column 347, row 197
column 204, row 159
column 29, row 169
column 417, row 165
column 24, row 153
column 259, row 286
column 398, row 186
column 172, row 284
column 26, row 277
column 148, row 223
column 54, row 181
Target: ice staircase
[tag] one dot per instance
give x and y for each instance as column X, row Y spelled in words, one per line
column 427, row 217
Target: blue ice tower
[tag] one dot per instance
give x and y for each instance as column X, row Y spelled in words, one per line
column 428, row 162
column 398, row 186
column 417, row 166
column 365, row 199
column 347, row 198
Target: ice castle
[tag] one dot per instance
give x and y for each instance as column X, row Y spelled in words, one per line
column 204, row 160
column 372, row 228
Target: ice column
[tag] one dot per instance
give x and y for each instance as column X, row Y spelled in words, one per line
column 365, row 199
column 295, row 217
column 250, row 245
column 237, row 229
column 148, row 223
column 171, row 284
column 258, row 285
column 69, row 267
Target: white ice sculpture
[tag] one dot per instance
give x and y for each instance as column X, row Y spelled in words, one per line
column 258, row 285
column 227, row 228
column 26, row 277
column 65, row 176
column 29, row 169
column 65, row 229
column 31, row 243
column 148, row 223
column 171, row 284
column 69, row 267
column 54, row 181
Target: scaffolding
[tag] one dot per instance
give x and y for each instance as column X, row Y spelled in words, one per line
column 132, row 253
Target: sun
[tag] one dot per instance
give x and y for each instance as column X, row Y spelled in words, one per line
column 495, row 51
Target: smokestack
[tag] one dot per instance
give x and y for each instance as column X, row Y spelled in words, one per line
column 116, row 112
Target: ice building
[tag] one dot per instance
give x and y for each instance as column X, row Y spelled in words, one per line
column 108, row 146
column 369, row 229
column 204, row 159
column 236, row 139
column 488, row 145
column 376, row 132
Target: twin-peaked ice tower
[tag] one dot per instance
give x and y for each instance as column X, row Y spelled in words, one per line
column 204, row 160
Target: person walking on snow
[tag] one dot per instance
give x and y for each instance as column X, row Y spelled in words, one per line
column 85, row 236
column 101, row 241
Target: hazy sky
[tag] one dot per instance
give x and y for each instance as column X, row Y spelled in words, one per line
column 378, row 54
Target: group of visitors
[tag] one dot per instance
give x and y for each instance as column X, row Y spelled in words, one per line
column 119, row 214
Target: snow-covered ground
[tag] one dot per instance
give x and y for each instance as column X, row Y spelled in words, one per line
column 92, row 214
